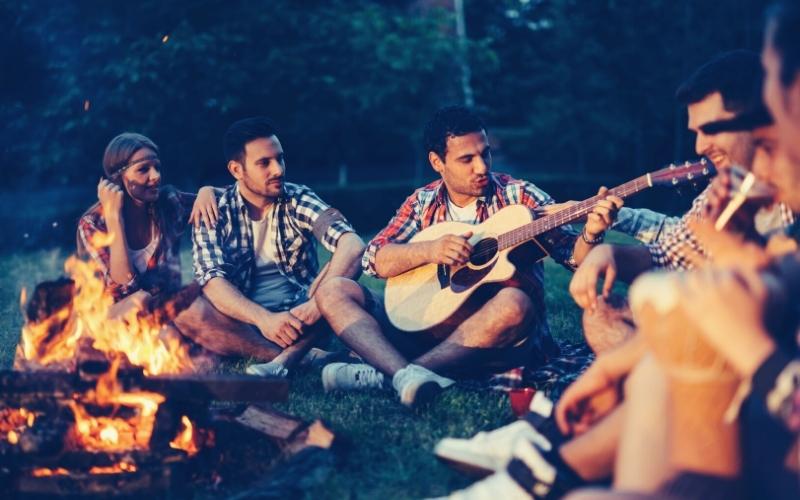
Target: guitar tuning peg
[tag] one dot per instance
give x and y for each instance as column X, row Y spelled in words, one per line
column 689, row 176
column 705, row 171
column 686, row 163
column 674, row 181
column 672, row 166
column 703, row 161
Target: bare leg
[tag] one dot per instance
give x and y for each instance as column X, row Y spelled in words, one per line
column 218, row 333
column 342, row 304
column 609, row 325
column 591, row 455
column 497, row 324
column 642, row 460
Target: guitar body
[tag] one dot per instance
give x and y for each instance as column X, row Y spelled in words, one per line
column 434, row 295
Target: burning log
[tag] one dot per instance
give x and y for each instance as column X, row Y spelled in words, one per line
column 19, row 386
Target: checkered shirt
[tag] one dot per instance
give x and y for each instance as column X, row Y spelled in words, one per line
column 300, row 217
column 642, row 224
column 675, row 248
column 163, row 272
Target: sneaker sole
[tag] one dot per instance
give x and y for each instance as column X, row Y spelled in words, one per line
column 424, row 394
column 469, row 469
column 472, row 464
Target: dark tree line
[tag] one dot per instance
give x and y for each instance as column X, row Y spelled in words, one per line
column 574, row 85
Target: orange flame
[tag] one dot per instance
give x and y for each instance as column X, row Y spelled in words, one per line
column 115, row 434
column 55, row 339
column 185, row 440
column 128, row 418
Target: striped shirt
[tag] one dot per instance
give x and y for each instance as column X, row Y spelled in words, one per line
column 300, row 217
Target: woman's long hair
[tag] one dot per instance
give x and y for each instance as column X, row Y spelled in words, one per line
column 117, row 155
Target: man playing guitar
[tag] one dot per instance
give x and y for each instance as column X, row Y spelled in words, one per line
column 508, row 324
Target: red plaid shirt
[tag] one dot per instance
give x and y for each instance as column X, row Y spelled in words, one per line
column 163, row 272
column 428, row 206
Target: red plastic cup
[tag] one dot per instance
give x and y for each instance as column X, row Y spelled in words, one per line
column 520, row 399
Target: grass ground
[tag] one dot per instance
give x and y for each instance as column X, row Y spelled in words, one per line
column 389, row 453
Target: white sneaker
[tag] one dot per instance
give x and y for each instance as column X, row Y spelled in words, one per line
column 416, row 384
column 498, row 485
column 488, row 452
column 350, row 376
column 268, row 370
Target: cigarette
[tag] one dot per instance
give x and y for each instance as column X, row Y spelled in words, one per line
column 736, row 202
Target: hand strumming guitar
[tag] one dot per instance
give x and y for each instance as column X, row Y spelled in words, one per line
column 451, row 249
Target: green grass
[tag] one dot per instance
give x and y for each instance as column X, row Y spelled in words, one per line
column 388, row 446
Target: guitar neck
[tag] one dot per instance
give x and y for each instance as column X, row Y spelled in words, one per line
column 576, row 212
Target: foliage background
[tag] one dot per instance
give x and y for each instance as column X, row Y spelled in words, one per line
column 577, row 90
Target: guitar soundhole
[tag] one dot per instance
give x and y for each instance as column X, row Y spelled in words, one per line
column 483, row 252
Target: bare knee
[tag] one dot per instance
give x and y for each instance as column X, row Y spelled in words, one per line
column 609, row 325
column 512, row 306
column 335, row 291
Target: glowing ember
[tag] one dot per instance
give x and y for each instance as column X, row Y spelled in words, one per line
column 14, row 421
column 44, row 471
column 117, row 468
column 55, row 339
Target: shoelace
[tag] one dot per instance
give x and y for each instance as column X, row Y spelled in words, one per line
column 367, row 377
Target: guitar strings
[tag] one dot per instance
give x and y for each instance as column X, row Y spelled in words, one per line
column 561, row 218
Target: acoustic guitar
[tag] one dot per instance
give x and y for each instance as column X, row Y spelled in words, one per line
column 435, row 295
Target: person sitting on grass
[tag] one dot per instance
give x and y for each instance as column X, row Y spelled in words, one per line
column 561, row 456
column 508, row 330
column 726, row 86
column 145, row 220
column 258, row 266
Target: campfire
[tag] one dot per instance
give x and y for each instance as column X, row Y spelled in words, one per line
column 100, row 405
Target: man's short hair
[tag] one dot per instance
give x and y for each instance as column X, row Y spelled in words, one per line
column 783, row 21
column 242, row 132
column 736, row 75
column 451, row 121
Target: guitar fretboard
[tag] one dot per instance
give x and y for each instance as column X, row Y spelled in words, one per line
column 571, row 214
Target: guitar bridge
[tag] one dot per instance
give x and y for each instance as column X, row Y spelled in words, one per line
column 443, row 273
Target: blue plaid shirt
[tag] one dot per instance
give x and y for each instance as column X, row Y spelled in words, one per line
column 300, row 217
column 645, row 225
column 669, row 239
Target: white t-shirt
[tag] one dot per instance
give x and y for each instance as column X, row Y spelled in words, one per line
column 270, row 289
column 140, row 258
column 468, row 213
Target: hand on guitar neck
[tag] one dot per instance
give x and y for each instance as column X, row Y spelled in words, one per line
column 598, row 220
